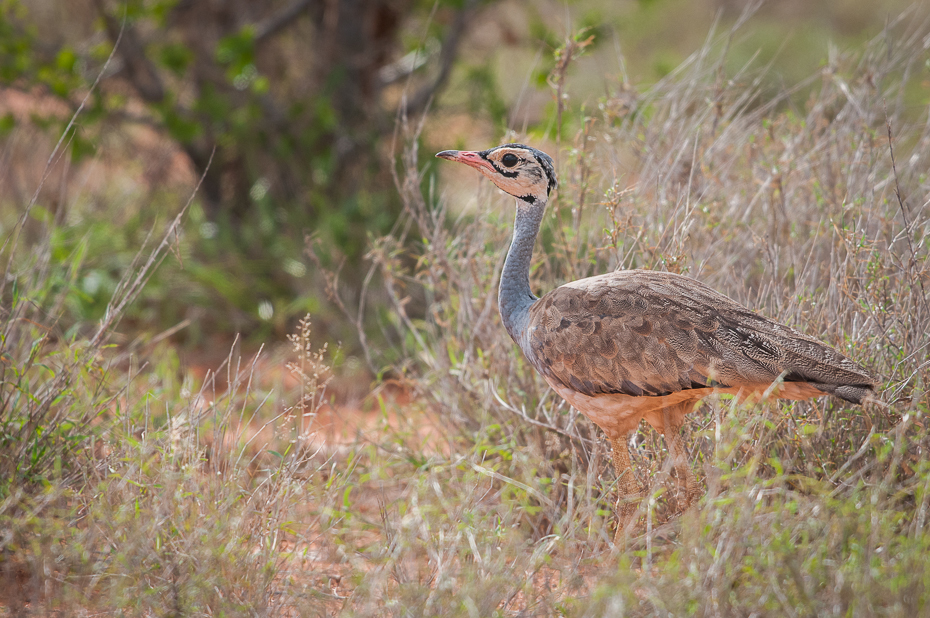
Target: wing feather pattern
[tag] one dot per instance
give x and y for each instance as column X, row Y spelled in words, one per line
column 646, row 333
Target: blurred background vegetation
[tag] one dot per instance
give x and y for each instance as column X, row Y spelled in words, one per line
column 288, row 110
column 176, row 439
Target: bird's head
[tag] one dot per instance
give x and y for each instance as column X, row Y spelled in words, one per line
column 523, row 172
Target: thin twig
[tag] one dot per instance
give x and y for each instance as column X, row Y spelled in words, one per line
column 49, row 163
column 903, row 208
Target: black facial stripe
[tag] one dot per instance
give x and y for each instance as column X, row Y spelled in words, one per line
column 550, row 173
column 529, row 199
column 512, row 174
column 484, row 155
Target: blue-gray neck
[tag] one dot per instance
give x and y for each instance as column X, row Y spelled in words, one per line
column 514, row 297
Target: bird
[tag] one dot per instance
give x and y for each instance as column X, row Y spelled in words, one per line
column 642, row 345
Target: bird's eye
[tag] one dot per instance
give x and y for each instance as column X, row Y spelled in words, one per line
column 509, row 159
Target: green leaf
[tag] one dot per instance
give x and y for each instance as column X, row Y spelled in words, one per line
column 7, row 124
column 66, row 60
column 176, row 58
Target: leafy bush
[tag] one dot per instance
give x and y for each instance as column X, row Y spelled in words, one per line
column 122, row 488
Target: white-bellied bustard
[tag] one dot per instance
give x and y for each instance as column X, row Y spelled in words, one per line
column 637, row 345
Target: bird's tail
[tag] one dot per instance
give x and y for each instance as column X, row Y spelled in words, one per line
column 853, row 393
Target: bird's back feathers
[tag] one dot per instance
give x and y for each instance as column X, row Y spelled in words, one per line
column 647, row 333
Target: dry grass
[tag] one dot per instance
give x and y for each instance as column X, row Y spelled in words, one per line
column 812, row 508
column 169, row 506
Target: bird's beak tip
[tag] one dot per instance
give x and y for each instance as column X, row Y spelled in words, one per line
column 447, row 154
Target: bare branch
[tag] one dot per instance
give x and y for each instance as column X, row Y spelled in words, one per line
column 447, row 56
column 283, row 18
column 140, row 71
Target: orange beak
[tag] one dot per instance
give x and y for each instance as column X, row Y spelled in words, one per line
column 469, row 158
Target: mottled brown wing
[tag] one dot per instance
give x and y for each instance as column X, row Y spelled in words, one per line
column 652, row 333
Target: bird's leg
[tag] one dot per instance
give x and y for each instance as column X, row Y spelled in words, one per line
column 628, row 488
column 688, row 488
